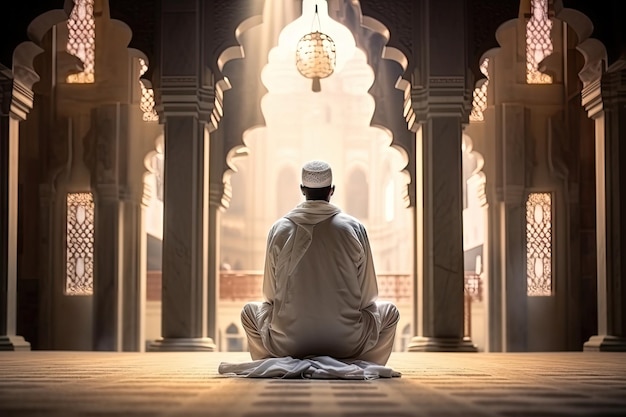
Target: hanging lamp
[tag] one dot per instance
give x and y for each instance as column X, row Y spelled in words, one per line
column 316, row 54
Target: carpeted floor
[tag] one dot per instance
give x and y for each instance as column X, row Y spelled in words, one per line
column 102, row 384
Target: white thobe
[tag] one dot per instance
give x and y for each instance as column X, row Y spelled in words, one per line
column 320, row 289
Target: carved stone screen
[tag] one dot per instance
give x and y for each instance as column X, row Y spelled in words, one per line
column 81, row 40
column 80, row 240
column 538, row 42
column 539, row 244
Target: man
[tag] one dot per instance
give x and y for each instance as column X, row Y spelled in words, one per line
column 319, row 284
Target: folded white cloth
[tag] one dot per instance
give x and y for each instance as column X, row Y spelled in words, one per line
column 318, row 367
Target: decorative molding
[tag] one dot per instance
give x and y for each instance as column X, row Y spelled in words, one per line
column 613, row 86
column 183, row 344
column 177, row 81
column 605, row 343
column 16, row 98
column 13, row 343
column 22, row 100
column 181, row 96
column 591, row 99
column 454, row 81
column 443, row 96
column 6, row 90
column 441, row 344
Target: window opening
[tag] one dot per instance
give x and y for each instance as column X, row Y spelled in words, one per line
column 538, row 42
column 81, row 40
column 147, row 97
column 479, row 102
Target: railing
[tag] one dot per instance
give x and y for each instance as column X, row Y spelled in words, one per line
column 245, row 286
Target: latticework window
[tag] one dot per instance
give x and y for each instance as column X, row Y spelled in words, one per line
column 539, row 244
column 80, row 244
column 81, row 40
column 479, row 103
column 147, row 97
column 538, row 42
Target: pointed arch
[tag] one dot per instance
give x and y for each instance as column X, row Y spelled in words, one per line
column 389, row 62
column 387, row 54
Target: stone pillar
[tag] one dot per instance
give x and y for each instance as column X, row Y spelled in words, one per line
column 16, row 100
column 213, row 254
column 219, row 198
column 185, row 243
column 119, row 276
column 186, row 95
column 440, row 104
column 119, row 283
column 512, row 215
column 605, row 102
column 440, row 301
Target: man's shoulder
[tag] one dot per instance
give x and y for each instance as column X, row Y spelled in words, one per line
column 348, row 219
column 282, row 221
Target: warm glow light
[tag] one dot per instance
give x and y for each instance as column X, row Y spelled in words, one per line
column 316, row 57
column 345, row 44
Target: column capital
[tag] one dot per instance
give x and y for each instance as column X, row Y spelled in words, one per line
column 181, row 96
column 609, row 87
column 443, row 96
column 591, row 99
column 614, row 86
column 16, row 98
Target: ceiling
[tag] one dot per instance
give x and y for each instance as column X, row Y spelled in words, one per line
column 485, row 16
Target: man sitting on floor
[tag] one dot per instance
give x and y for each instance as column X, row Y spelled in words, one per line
column 319, row 285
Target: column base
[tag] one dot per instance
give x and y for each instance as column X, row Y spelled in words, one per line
column 13, row 343
column 441, row 344
column 605, row 343
column 182, row 344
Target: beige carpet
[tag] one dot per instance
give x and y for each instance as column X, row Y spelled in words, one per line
column 433, row 384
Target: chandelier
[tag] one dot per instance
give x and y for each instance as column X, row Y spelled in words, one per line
column 316, row 55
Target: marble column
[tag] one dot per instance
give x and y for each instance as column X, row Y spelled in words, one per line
column 439, row 105
column 605, row 102
column 16, row 100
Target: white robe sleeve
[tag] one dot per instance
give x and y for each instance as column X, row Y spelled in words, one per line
column 367, row 273
column 269, row 272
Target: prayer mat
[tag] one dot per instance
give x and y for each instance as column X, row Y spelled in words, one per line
column 317, row 367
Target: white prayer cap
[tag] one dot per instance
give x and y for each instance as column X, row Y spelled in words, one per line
column 316, row 174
